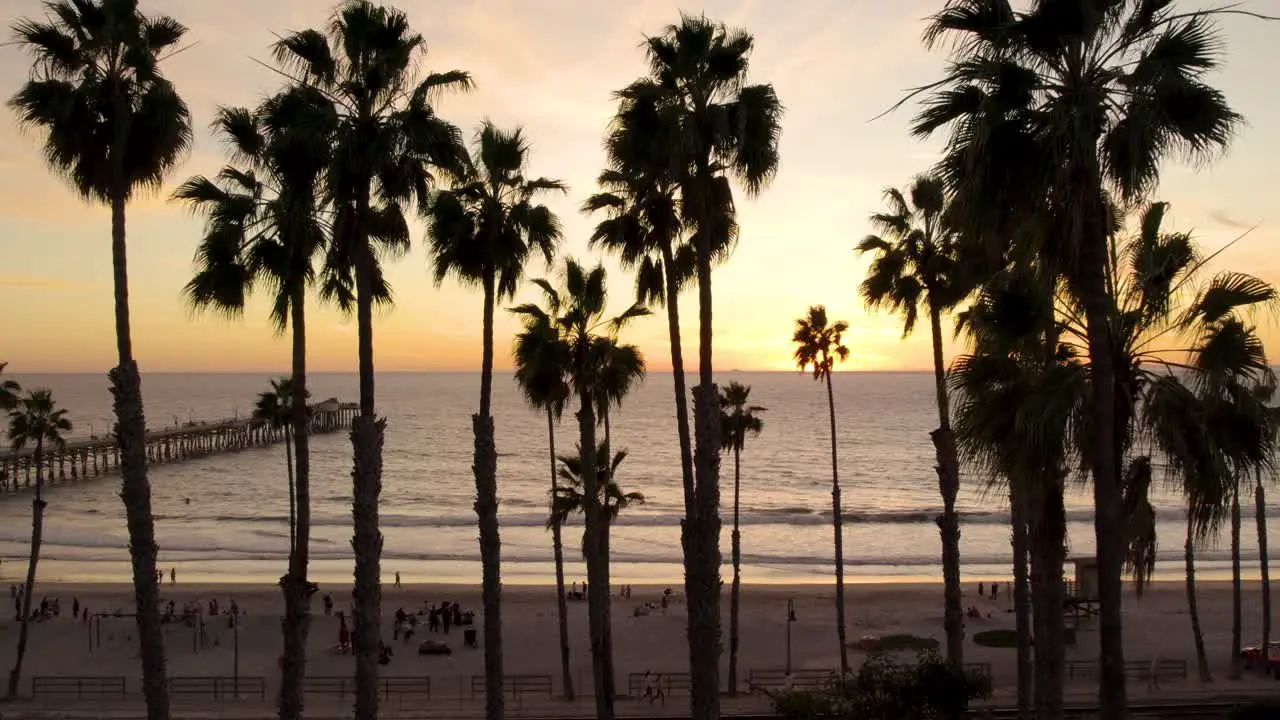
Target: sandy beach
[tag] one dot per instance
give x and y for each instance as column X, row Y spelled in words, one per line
column 1155, row 626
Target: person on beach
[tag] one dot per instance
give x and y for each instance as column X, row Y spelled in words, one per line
column 445, row 620
column 995, row 590
column 75, row 608
column 344, row 637
column 981, row 589
column 173, row 576
column 328, row 604
column 397, row 579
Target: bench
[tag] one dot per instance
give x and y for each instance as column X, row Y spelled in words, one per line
column 98, row 687
column 403, row 687
column 321, row 685
column 776, row 678
column 344, row 686
column 517, row 686
column 664, row 683
column 1163, row 669
column 218, row 688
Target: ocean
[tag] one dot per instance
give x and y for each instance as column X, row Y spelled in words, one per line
column 235, row 527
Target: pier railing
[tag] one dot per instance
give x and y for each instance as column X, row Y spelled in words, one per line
column 100, row 455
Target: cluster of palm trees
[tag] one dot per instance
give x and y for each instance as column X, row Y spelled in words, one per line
column 1116, row 348
column 1113, row 347
column 35, row 421
column 322, row 177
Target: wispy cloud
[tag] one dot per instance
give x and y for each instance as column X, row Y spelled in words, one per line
column 35, row 282
column 1222, row 218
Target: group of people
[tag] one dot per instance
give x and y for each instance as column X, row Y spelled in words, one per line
column 47, row 608
column 624, row 592
column 191, row 612
column 995, row 590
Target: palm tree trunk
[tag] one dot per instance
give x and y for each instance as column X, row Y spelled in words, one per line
column 688, row 524
column 293, row 499
column 1236, row 614
column 1260, row 500
column 597, row 580
column 135, row 488
column 737, row 573
column 677, row 374
column 1193, row 607
column 1021, row 598
column 486, row 474
column 297, row 599
column 606, row 520
column 37, row 532
column 837, row 520
column 1048, row 541
column 702, row 574
column 948, row 469
column 366, row 441
column 1107, row 498
column 1036, row 583
column 557, row 548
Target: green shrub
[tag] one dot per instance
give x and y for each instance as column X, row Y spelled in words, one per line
column 883, row 689
column 1003, row 638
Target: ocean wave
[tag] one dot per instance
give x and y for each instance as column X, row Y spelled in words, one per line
column 749, row 516
column 668, row 556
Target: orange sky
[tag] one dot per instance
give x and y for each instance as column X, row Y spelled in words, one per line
column 550, row 65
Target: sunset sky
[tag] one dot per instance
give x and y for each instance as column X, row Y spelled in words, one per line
column 550, row 66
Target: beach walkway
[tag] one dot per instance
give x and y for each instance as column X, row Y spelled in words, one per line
column 100, row 455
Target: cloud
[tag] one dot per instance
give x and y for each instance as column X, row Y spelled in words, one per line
column 1222, row 218
column 34, row 282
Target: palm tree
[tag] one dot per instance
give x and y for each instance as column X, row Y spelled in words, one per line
column 9, row 390
column 820, row 346
column 1048, row 66
column 917, row 267
column 541, row 366
column 483, row 231
column 1018, row 404
column 275, row 409
column 639, row 194
column 588, row 338
column 388, row 143
column 1179, row 429
column 723, row 128
column 569, row 498
column 1234, row 380
column 35, row 420
column 621, row 369
column 737, row 421
column 266, row 224
column 113, row 125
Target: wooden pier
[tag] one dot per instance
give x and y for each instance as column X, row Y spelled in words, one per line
column 99, row 456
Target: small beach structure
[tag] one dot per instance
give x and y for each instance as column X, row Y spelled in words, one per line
column 1082, row 592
